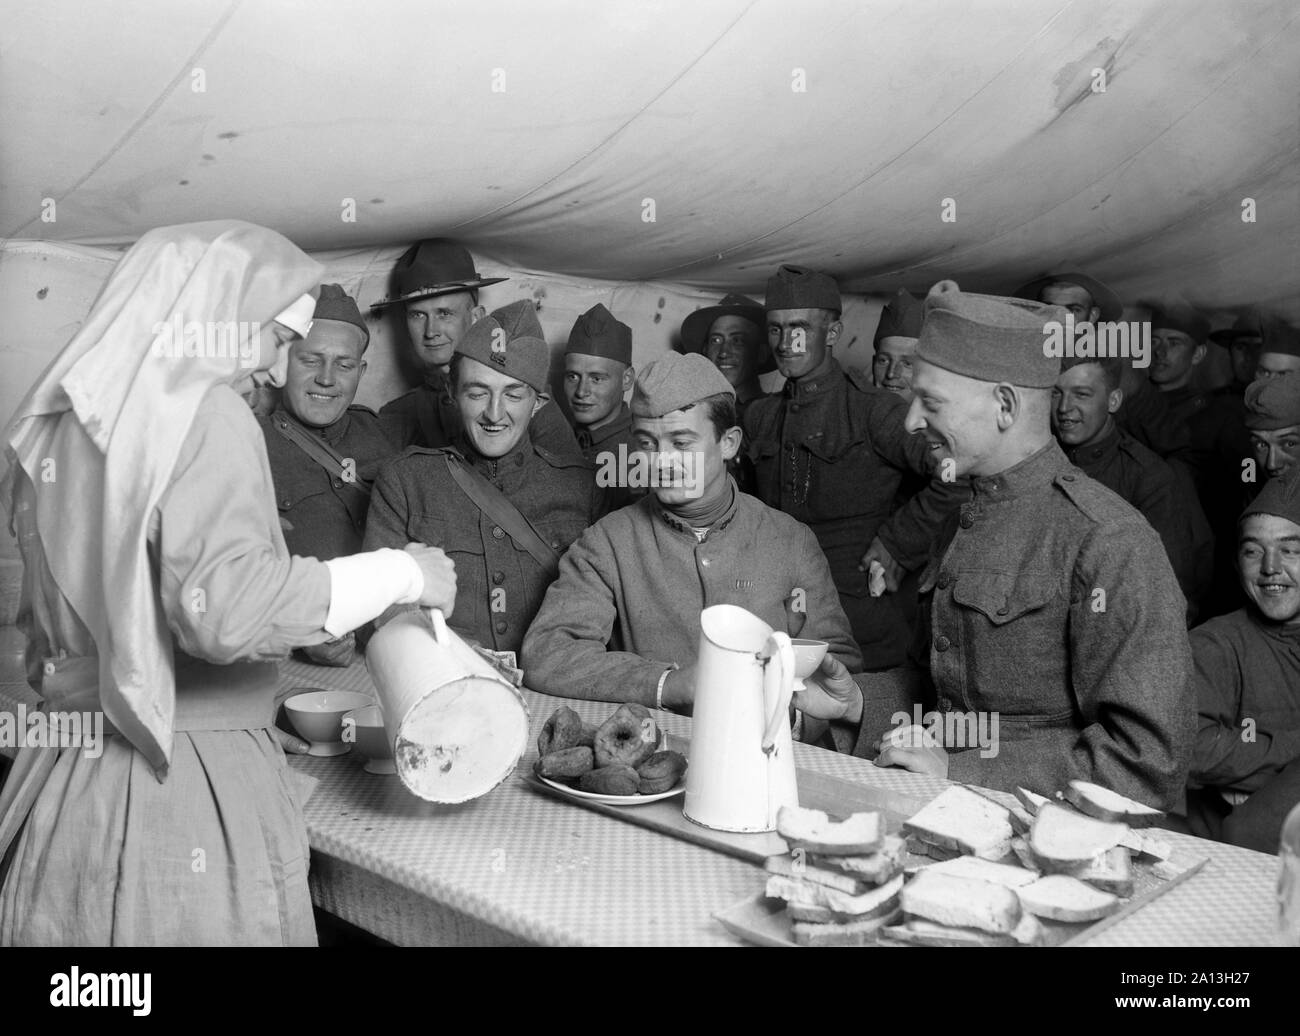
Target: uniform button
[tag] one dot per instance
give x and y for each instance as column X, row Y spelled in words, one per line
column 501, row 625
column 704, row 561
column 966, row 520
column 498, row 532
column 555, row 544
column 498, row 578
column 942, row 643
column 943, row 582
column 794, row 408
column 1067, row 478
column 1004, row 610
column 338, row 483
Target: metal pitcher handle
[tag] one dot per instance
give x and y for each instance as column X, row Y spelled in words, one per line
column 784, row 690
column 440, row 633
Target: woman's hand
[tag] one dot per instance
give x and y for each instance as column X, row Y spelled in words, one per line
column 439, row 577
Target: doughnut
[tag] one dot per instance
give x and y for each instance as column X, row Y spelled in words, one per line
column 565, row 765
column 610, row 780
column 628, row 737
column 660, row 772
column 563, row 730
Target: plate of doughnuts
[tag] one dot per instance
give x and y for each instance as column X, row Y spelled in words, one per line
column 622, row 762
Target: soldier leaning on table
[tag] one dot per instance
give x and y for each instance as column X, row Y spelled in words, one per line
column 503, row 508
column 1051, row 602
column 324, row 451
column 621, row 623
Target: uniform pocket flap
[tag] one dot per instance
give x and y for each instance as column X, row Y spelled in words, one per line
column 1001, row 597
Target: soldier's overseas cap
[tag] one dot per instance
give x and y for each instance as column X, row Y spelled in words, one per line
column 797, row 287
column 599, row 333
column 1280, row 338
column 1280, row 496
column 1179, row 316
column 1273, row 403
column 901, row 317
column 675, row 381
column 510, row 340
column 336, row 304
column 989, row 337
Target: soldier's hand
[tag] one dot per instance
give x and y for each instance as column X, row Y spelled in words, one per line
column 292, row 745
column 679, row 689
column 830, row 693
column 338, row 652
column 892, row 570
column 439, row 577
column 913, row 748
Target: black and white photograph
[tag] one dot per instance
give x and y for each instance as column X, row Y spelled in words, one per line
column 651, row 473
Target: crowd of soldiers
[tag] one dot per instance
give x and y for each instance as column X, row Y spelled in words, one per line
column 1102, row 554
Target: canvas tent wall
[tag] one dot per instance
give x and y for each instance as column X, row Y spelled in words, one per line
column 1154, row 143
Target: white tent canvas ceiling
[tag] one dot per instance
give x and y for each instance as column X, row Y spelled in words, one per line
column 654, row 155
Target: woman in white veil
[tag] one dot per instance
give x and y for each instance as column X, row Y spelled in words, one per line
column 158, row 591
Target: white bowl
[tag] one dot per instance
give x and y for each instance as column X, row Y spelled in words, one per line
column 318, row 716
column 368, row 734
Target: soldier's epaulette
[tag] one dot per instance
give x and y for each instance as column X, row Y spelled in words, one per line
column 562, row 460
column 357, row 408
column 1093, row 499
column 430, row 451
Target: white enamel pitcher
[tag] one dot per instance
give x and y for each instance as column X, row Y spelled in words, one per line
column 742, row 757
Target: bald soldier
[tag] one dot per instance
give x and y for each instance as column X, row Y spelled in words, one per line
column 895, row 341
column 1051, row 603
column 621, row 623
column 733, row 336
column 323, row 450
column 437, row 290
column 1144, row 413
column 598, row 372
column 502, row 507
column 831, row 451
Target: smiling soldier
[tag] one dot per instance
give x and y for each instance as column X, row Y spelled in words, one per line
column 598, row 372
column 1084, row 401
column 323, row 450
column 1050, row 602
column 503, row 507
column 1273, row 423
column 1246, row 764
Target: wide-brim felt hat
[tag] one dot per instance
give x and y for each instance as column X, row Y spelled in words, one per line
column 1105, row 300
column 436, row 266
column 1252, row 322
column 695, row 328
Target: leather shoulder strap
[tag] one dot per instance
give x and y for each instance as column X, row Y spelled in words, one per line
column 322, row 453
column 493, row 503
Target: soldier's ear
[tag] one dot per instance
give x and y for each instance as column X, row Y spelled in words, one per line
column 1114, row 401
column 361, row 368
column 478, row 313
column 833, row 330
column 1198, row 354
column 730, row 441
column 1094, row 315
column 629, row 379
column 1009, row 403
column 541, row 401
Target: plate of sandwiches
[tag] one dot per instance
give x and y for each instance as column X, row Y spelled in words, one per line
column 966, row 870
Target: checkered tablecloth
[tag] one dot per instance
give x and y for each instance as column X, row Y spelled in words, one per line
column 520, row 866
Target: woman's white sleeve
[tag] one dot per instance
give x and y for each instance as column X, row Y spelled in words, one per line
column 363, row 586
